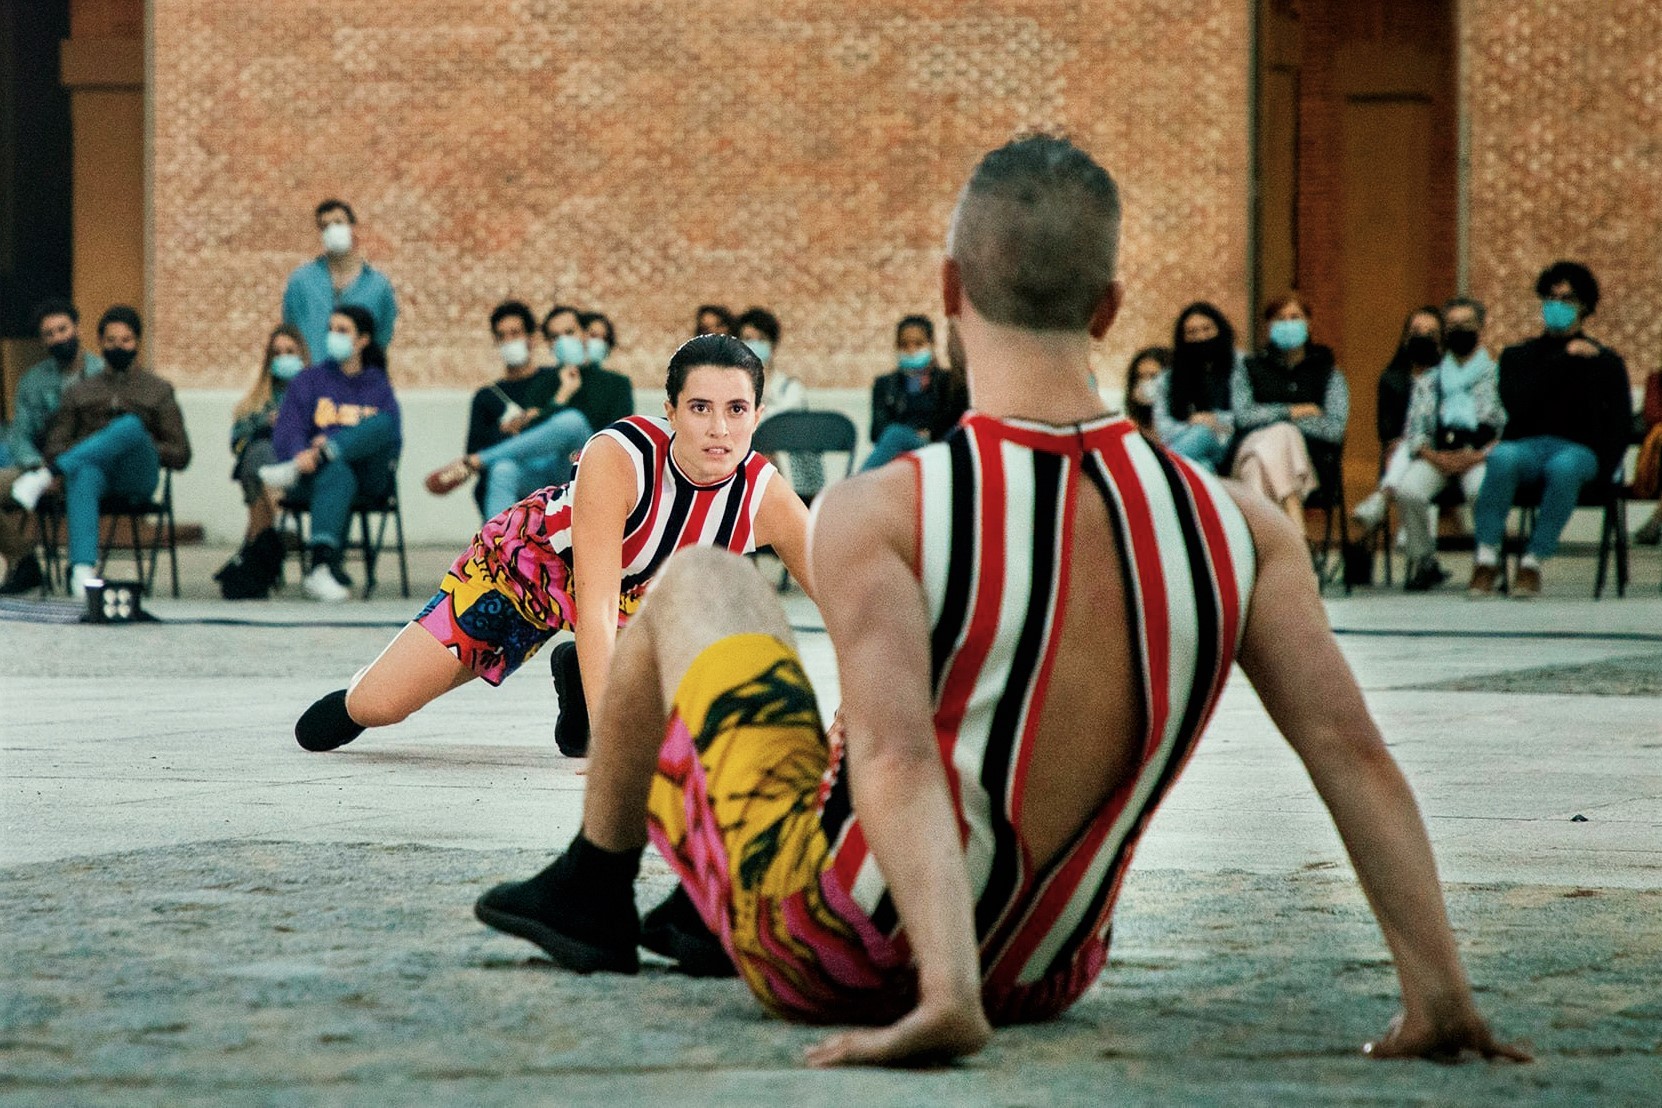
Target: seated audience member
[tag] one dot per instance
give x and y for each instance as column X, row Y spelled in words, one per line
column 24, row 478
column 759, row 329
column 522, row 430
column 1291, row 405
column 714, row 319
column 917, row 402
column 1419, row 349
column 111, row 436
column 338, row 433
column 1193, row 416
column 1569, row 413
column 1144, row 384
column 604, row 396
column 1647, row 475
column 254, row 569
column 1454, row 418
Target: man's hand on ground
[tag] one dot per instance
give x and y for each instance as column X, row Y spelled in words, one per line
column 1442, row 1041
column 921, row 1037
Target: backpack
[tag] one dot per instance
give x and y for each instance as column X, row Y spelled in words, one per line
column 253, row 570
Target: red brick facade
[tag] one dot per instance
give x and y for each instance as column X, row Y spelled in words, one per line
column 642, row 158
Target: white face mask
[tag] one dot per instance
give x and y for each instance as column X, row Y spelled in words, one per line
column 1148, row 391
column 337, row 238
column 515, row 353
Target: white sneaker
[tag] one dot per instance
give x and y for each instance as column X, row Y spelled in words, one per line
column 78, row 578
column 1371, row 512
column 29, row 487
column 322, row 584
column 280, row 475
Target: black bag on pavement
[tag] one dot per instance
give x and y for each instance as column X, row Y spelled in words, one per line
column 253, row 571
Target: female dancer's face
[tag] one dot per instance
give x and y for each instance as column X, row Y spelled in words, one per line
column 713, row 421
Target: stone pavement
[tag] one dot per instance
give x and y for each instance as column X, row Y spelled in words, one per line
column 197, row 911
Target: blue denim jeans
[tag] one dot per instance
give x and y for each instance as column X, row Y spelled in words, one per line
column 366, row 461
column 1558, row 465
column 896, row 439
column 119, row 460
column 535, row 458
column 1198, row 444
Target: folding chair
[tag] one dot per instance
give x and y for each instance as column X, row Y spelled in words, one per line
column 52, row 522
column 1611, row 495
column 295, row 513
column 807, row 432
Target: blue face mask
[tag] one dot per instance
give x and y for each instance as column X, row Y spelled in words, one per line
column 918, row 359
column 1558, row 315
column 339, row 345
column 569, row 350
column 285, row 367
column 762, row 348
column 597, row 350
column 1289, row 334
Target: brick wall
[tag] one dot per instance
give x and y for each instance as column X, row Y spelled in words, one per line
column 1565, row 107
column 642, row 158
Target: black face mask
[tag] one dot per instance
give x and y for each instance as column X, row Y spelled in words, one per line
column 1422, row 350
column 1460, row 342
column 1213, row 353
column 64, row 352
column 119, row 358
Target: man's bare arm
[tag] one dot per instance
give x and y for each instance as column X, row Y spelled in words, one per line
column 1293, row 661
column 861, row 542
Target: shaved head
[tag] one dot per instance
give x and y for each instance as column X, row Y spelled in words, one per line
column 1036, row 235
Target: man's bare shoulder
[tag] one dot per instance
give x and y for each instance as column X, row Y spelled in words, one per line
column 866, row 514
column 1274, row 538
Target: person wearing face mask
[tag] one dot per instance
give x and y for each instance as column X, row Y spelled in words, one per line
column 39, row 392
column 759, row 329
column 918, row 402
column 111, row 435
column 1454, row 418
column 1419, row 349
column 337, row 277
column 1145, row 387
column 1192, row 414
column 1569, row 414
column 521, row 431
column 1291, row 405
column 338, row 433
column 604, row 397
column 255, row 568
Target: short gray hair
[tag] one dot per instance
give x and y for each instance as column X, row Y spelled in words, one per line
column 1036, row 235
column 1471, row 302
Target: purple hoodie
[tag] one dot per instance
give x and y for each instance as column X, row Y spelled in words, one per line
column 323, row 399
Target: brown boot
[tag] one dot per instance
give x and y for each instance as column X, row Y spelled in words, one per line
column 1527, row 584
column 1483, row 581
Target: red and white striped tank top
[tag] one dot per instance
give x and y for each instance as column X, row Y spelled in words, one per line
column 996, row 540
column 671, row 509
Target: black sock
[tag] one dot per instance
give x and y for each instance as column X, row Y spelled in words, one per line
column 324, row 555
column 327, row 724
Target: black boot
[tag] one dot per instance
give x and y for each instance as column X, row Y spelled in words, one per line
column 326, row 724
column 571, row 726
column 676, row 930
column 25, row 576
column 580, row 910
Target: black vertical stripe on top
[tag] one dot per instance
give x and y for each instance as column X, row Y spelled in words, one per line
column 961, row 557
column 1208, row 657
column 651, row 463
column 1004, row 734
column 667, row 542
column 735, row 501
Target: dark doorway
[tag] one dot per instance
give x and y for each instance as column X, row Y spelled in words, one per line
column 36, row 152
column 1357, row 191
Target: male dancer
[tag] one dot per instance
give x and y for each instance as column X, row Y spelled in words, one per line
column 1033, row 620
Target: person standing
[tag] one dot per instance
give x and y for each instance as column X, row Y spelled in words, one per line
column 1569, row 414
column 338, row 277
column 24, row 478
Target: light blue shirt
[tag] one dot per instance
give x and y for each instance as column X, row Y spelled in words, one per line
column 39, row 392
column 310, row 299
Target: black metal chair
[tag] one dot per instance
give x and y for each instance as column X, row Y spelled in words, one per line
column 807, row 432
column 1327, row 554
column 51, row 523
column 1611, row 495
column 295, row 513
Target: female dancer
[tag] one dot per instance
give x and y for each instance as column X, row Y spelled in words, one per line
column 581, row 556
